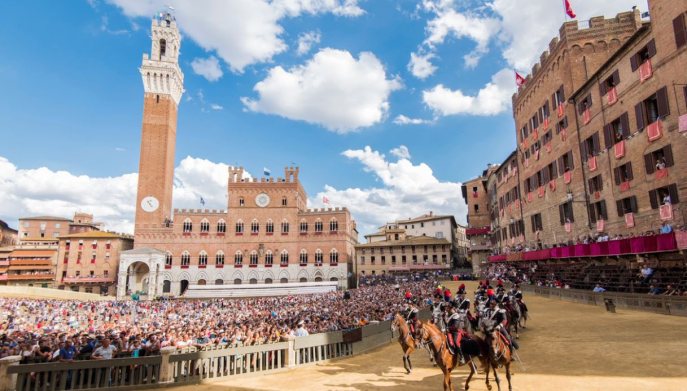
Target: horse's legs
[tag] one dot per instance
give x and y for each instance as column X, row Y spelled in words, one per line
column 405, row 364
column 410, row 364
column 496, row 378
column 447, row 381
column 472, row 372
column 510, row 388
column 487, row 367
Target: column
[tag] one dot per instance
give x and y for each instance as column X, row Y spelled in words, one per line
column 167, row 368
column 8, row 382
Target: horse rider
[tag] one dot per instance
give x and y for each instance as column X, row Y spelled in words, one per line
column 462, row 303
column 411, row 319
column 437, row 308
column 494, row 318
column 454, row 332
column 517, row 293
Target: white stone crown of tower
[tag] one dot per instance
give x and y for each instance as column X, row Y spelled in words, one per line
column 160, row 70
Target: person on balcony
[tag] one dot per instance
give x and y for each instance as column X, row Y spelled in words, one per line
column 660, row 163
column 666, row 228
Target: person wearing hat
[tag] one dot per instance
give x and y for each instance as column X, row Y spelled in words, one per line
column 462, row 303
column 301, row 331
column 495, row 319
column 517, row 293
column 454, row 333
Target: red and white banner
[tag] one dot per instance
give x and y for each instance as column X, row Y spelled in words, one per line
column 530, row 197
column 666, row 212
column 586, row 116
column 629, row 220
column 548, row 147
column 625, row 186
column 655, row 130
column 663, row 173
column 568, row 227
column 619, row 149
column 535, row 135
column 568, row 10
column 600, row 225
column 567, row 177
column 597, row 195
column 645, row 70
column 519, row 80
column 560, row 110
column 552, row 185
column 591, row 163
column 474, row 194
column 541, row 191
column 545, row 124
column 611, row 96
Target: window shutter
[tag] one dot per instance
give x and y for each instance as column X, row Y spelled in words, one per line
column 591, row 184
column 570, row 159
column 572, row 213
column 649, row 163
column 601, row 183
column 616, row 77
column 680, row 31
column 554, row 171
column 545, row 176
column 619, row 205
column 561, row 166
column 534, row 228
column 565, row 121
column 633, row 204
column 639, row 114
column 625, row 123
column 662, row 102
column 629, row 172
column 561, row 213
column 634, row 64
column 653, row 199
column 608, row 137
column 553, row 101
column 604, row 213
column 597, row 144
column 592, row 213
column 668, row 154
column 651, row 48
column 672, row 189
column 616, row 175
column 602, row 88
column 589, row 100
column 580, row 108
column 562, row 90
column 546, row 108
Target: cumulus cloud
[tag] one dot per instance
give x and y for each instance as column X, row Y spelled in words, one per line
column 306, row 41
column 406, row 190
column 241, row 32
column 209, row 68
column 112, row 200
column 420, row 65
column 403, row 120
column 492, row 99
column 333, row 89
column 401, row 152
column 216, row 107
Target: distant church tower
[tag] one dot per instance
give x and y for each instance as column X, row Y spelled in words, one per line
column 163, row 83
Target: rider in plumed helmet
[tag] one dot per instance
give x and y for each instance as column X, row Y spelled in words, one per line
column 495, row 319
column 454, row 333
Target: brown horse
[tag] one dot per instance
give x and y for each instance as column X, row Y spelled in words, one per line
column 405, row 339
column 436, row 340
column 499, row 354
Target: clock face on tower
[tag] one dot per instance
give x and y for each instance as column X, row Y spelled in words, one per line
column 150, row 204
column 262, row 200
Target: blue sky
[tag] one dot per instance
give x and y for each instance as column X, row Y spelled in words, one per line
column 70, row 112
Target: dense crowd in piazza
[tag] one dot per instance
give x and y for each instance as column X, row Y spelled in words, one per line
column 65, row 330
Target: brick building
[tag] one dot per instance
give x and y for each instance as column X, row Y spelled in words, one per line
column 52, row 227
column 505, row 209
column 266, row 235
column 8, row 235
column 399, row 252
column 87, row 262
column 475, row 193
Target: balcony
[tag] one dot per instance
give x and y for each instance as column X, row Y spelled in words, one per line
column 30, row 277
column 31, row 262
column 88, row 280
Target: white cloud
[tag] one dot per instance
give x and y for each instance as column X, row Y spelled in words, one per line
column 216, row 107
column 42, row 191
column 407, row 190
column 420, row 65
column 209, row 68
column 333, row 89
column 528, row 26
column 306, row 41
column 241, row 32
column 403, row 120
column 401, row 152
column 494, row 98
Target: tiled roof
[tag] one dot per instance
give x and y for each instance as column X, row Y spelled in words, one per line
column 96, row 235
column 410, row 241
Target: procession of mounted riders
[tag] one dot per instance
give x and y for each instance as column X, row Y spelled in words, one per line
column 460, row 332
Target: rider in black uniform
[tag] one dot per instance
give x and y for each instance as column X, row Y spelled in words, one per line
column 453, row 325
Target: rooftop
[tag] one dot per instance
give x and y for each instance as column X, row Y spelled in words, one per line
column 409, row 241
column 54, row 218
column 97, row 235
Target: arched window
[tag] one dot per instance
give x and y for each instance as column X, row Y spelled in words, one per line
column 237, row 281
column 254, row 227
column 333, row 225
column 185, row 259
column 318, row 226
column 269, row 227
column 163, row 48
column 239, row 227
column 242, row 202
column 284, row 260
column 238, row 258
column 188, row 226
column 268, row 280
column 202, row 282
column 303, row 258
column 253, row 281
column 203, row 259
column 269, row 258
column 333, row 257
column 303, row 226
column 221, row 227
column 219, row 281
column 283, row 201
column 283, row 280
column 166, row 286
column 219, row 258
column 318, row 257
column 284, row 227
column 204, row 226
column 303, row 279
column 168, row 259
column 254, row 258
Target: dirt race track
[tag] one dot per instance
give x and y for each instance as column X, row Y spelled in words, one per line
column 566, row 346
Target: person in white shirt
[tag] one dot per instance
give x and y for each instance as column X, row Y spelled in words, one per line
column 301, row 331
column 104, row 352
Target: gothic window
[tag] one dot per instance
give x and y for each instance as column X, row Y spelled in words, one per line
column 204, row 226
column 303, row 258
column 242, row 202
column 219, row 258
column 269, row 227
column 238, row 258
column 203, row 258
column 269, row 259
column 187, row 226
column 253, row 258
column 304, row 226
column 283, row 201
column 333, row 257
column 284, row 227
column 163, row 48
column 318, row 225
column 284, row 261
column 168, row 259
column 333, row 225
column 254, row 227
column 318, row 257
column 221, row 227
column 185, row 258
column 239, row 227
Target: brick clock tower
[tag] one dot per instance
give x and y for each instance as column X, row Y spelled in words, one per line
column 163, row 83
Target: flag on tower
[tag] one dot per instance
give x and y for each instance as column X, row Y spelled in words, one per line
column 519, row 80
column 325, row 200
column 202, row 201
column 568, row 10
column 266, row 171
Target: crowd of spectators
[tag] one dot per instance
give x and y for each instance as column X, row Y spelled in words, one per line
column 58, row 330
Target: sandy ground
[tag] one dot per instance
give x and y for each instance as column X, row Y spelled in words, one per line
column 566, row 346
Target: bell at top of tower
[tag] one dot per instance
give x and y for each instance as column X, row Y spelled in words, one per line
column 160, row 70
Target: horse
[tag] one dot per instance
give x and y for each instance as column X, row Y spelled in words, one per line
column 513, row 317
column 499, row 355
column 405, row 339
column 437, row 343
column 524, row 313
